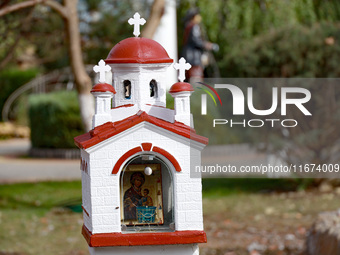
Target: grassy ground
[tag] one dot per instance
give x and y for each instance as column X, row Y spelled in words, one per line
column 240, row 215
column 33, row 222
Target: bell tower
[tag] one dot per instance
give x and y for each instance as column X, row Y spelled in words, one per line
column 139, row 70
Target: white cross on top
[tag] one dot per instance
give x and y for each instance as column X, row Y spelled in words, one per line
column 181, row 66
column 102, row 68
column 136, row 21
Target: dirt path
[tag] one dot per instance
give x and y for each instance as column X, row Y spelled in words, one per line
column 265, row 224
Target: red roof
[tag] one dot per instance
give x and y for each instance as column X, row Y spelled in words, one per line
column 103, row 87
column 181, row 86
column 109, row 129
column 138, row 50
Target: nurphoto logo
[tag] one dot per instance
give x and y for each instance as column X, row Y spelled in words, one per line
column 238, row 105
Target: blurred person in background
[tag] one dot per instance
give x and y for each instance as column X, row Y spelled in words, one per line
column 194, row 45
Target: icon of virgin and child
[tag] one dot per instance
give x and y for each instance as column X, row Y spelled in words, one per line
column 133, row 197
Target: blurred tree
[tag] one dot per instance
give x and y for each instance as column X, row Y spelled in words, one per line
column 43, row 26
column 69, row 13
column 154, row 20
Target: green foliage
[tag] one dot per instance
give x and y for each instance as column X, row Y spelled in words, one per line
column 104, row 23
column 111, row 26
column 221, row 187
column 11, row 79
column 293, row 51
column 169, row 101
column 103, row 36
column 231, row 22
column 54, row 119
column 41, row 196
column 48, row 34
column 37, row 33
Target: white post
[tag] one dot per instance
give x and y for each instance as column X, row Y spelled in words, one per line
column 181, row 93
column 182, row 107
column 103, row 107
column 166, row 35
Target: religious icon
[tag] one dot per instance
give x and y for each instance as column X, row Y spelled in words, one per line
column 132, row 196
column 140, row 203
column 146, row 200
column 127, row 89
column 153, row 88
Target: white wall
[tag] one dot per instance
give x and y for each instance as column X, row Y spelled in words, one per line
column 140, row 76
column 105, row 186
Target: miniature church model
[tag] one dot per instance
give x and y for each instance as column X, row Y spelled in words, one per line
column 137, row 193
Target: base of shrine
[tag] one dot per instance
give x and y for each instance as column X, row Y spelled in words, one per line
column 180, row 249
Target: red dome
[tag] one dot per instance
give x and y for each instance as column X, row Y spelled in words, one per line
column 181, row 86
column 103, row 87
column 138, row 50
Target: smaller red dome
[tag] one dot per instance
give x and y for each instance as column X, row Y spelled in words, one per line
column 103, row 87
column 181, row 86
column 138, row 50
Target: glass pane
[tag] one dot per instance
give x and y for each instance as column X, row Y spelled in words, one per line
column 146, row 197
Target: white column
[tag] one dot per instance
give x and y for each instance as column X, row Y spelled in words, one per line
column 182, row 107
column 102, row 108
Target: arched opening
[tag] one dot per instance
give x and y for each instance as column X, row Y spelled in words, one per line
column 146, row 195
column 127, row 89
column 153, row 88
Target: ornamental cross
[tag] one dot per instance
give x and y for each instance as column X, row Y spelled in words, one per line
column 182, row 67
column 136, row 21
column 101, row 68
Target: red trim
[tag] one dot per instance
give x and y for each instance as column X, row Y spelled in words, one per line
column 166, row 154
column 125, row 105
column 109, row 129
column 86, row 234
column 157, row 106
column 180, row 87
column 139, row 61
column 103, row 87
column 135, row 239
column 85, row 211
column 146, row 146
column 138, row 50
column 122, row 159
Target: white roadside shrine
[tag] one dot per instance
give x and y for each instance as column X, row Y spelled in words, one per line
column 138, row 196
